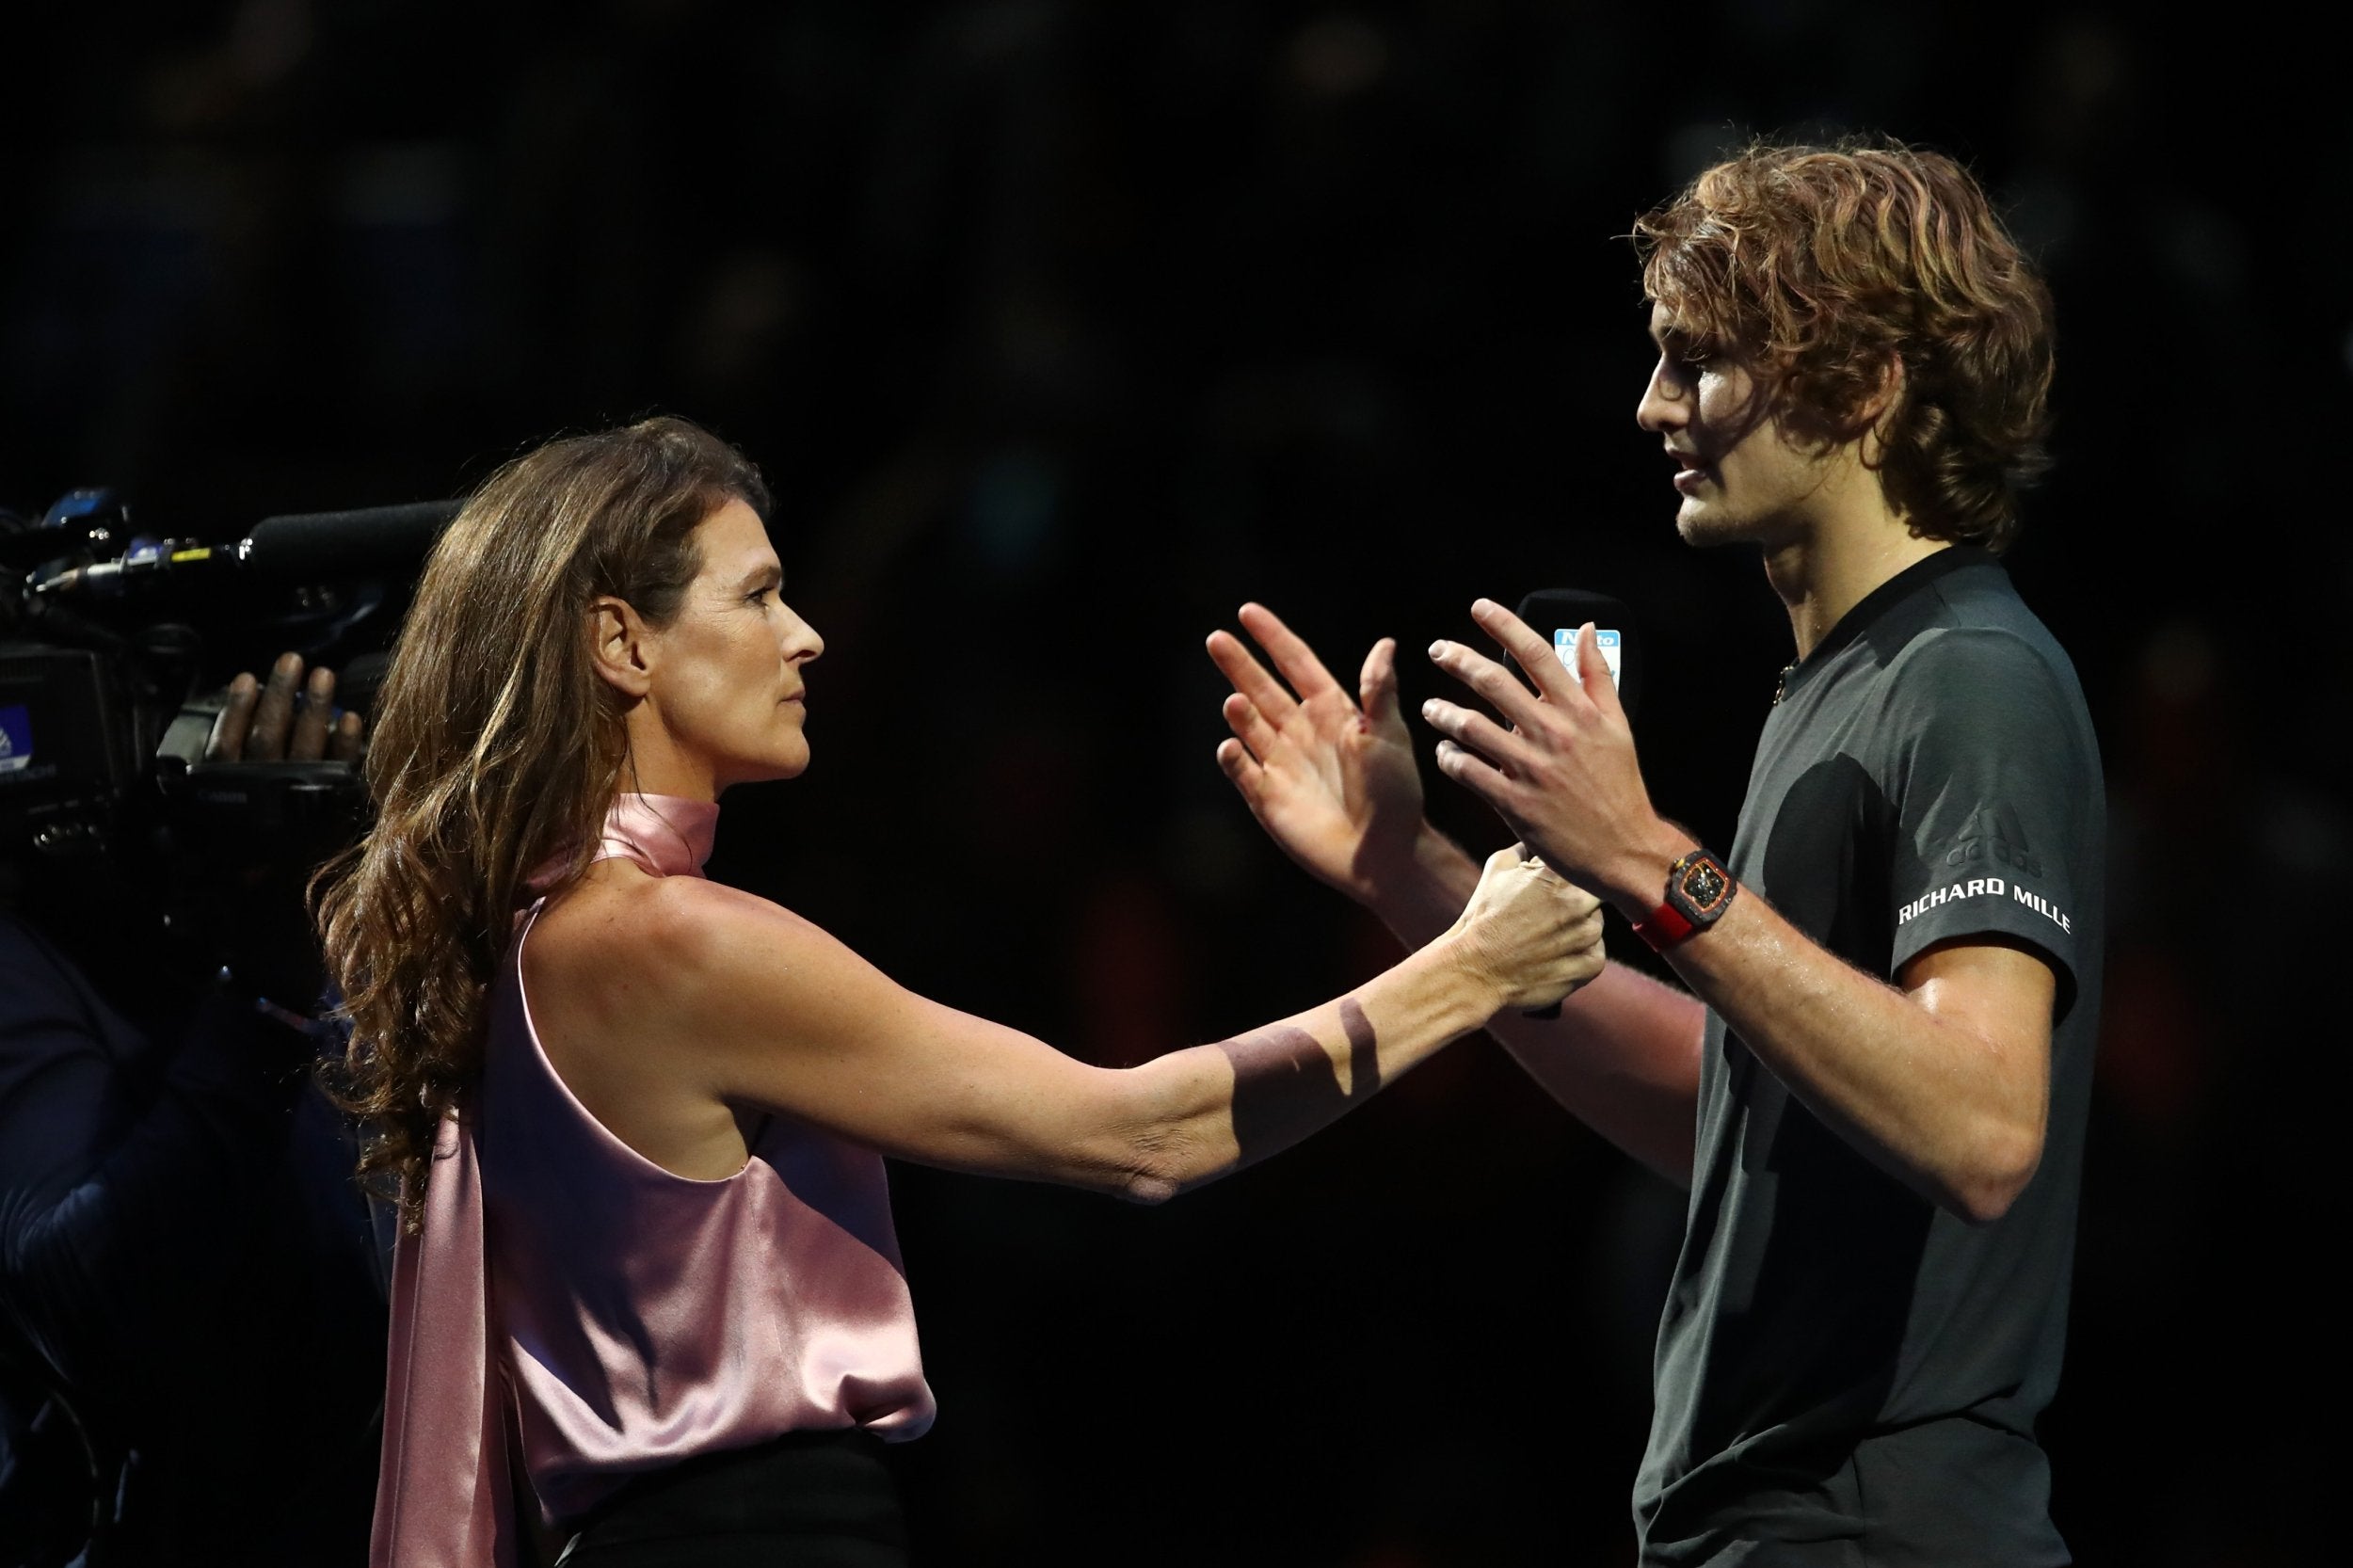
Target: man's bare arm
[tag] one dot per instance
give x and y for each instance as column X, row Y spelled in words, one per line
column 1623, row 1054
column 1944, row 1081
column 1331, row 776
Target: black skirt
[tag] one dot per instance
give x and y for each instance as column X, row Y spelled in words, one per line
column 808, row 1500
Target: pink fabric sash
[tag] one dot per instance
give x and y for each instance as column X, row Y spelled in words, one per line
column 444, row 1427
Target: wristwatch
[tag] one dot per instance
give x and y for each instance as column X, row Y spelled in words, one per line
column 1699, row 891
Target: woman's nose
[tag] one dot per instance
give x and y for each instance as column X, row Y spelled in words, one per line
column 801, row 643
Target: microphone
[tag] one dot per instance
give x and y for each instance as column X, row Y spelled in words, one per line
column 297, row 548
column 1559, row 612
column 306, row 546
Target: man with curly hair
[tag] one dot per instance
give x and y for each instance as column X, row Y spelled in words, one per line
column 1876, row 1086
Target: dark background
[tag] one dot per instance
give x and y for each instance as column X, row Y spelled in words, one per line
column 1060, row 329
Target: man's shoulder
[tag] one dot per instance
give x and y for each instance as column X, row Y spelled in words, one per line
column 1970, row 643
column 1964, row 612
column 1979, row 657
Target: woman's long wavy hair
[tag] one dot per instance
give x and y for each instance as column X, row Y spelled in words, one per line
column 497, row 749
column 1818, row 265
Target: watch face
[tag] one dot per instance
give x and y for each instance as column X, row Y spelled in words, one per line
column 1703, row 890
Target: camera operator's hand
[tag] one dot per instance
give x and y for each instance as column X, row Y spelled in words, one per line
column 253, row 887
column 262, row 722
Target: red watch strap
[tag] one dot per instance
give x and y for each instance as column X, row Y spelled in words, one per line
column 1665, row 928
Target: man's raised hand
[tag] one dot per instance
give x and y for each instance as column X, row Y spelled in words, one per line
column 1330, row 776
column 1564, row 773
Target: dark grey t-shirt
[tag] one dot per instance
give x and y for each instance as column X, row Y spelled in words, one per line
column 1847, row 1375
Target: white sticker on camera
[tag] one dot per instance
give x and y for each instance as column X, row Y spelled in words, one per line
column 1613, row 651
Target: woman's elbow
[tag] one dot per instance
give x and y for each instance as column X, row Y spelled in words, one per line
column 1161, row 1136
column 1159, row 1160
column 1148, row 1188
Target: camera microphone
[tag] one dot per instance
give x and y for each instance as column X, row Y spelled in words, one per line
column 302, row 546
column 298, row 547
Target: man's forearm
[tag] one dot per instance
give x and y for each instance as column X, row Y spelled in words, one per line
column 1623, row 1054
column 1952, row 1109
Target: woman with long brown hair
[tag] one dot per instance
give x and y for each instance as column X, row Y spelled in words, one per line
column 636, row 1117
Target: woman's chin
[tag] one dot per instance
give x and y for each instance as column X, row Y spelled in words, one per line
column 765, row 770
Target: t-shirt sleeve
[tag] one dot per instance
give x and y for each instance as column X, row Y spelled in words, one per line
column 1990, row 783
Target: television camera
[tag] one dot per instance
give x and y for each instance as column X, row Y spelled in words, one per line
column 115, row 645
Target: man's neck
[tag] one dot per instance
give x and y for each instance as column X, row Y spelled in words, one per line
column 1825, row 569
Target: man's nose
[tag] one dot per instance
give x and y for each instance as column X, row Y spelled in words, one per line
column 1660, row 409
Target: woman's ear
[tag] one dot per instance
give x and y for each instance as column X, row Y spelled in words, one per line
column 620, row 647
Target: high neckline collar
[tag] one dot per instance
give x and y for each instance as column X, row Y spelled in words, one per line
column 667, row 834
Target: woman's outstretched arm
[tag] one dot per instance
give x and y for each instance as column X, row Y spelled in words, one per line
column 766, row 1009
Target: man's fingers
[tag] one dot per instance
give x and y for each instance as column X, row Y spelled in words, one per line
column 1237, row 663
column 273, row 717
column 1289, row 652
column 231, row 723
column 1470, row 727
column 1249, row 725
column 1593, row 672
column 1488, row 679
column 1475, row 774
column 1528, row 650
column 261, row 722
column 310, row 721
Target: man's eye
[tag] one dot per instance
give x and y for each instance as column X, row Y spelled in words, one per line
column 1688, row 349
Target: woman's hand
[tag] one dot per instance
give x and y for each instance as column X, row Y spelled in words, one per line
column 1536, row 937
column 1330, row 776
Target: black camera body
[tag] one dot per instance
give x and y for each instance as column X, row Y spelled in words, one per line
column 115, row 649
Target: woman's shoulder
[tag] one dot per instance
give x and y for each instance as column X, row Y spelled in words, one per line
column 626, row 935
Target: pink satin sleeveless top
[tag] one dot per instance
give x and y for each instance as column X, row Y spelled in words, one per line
column 571, row 1299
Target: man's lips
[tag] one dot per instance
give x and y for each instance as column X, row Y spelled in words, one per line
column 1690, row 473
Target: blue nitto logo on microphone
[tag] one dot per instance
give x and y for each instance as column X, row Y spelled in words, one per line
column 1611, row 646
column 16, row 737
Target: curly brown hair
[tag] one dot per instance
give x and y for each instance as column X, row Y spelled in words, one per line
column 1818, row 267
column 497, row 749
